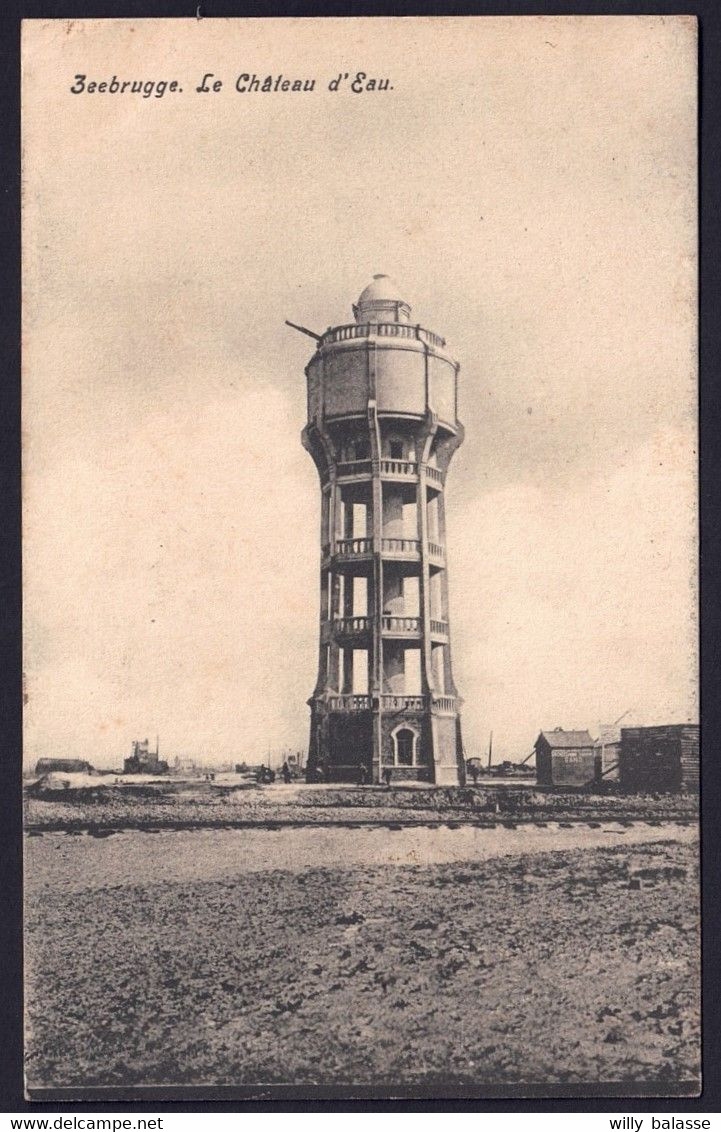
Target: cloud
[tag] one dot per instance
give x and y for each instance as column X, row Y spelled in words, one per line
column 536, row 204
column 581, row 601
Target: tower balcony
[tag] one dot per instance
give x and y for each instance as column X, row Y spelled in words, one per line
column 436, row 553
column 349, row 551
column 439, row 631
column 389, row 702
column 394, row 626
column 350, row 470
column 444, row 705
column 401, row 702
column 381, row 330
column 350, row 627
column 404, row 470
column 400, row 471
column 347, row 702
column 353, row 547
column 403, row 549
column 401, row 627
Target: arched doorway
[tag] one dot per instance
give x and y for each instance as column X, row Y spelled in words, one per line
column 404, row 742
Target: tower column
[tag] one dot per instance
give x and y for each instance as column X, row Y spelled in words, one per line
column 424, row 449
column 376, row 609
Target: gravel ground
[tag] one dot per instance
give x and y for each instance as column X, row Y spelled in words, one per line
column 546, row 968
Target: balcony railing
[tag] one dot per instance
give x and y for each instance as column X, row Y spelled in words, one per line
column 354, row 546
column 393, row 624
column 406, row 468
column 354, row 468
column 443, row 704
column 344, row 333
column 439, row 628
column 349, row 703
column 398, row 468
column 358, row 547
column 382, row 330
column 400, row 546
column 351, row 626
column 402, row 703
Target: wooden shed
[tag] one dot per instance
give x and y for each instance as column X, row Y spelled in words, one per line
column 660, row 759
column 608, row 753
column 565, row 758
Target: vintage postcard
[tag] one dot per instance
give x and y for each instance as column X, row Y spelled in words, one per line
column 360, row 539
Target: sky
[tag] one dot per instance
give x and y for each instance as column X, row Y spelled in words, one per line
column 530, row 184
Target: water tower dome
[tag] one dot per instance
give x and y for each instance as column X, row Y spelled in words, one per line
column 381, row 302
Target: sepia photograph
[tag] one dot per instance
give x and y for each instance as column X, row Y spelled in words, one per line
column 361, row 739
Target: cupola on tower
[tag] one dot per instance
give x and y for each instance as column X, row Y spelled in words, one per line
column 382, row 428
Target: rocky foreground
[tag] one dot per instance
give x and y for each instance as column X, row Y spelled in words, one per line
column 557, row 969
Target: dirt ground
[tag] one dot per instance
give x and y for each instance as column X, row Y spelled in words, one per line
column 195, row 806
column 550, row 968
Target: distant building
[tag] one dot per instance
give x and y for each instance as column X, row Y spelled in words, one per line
column 564, row 758
column 505, row 769
column 662, row 759
column 185, row 766
column 144, row 761
column 508, row 769
column 63, row 766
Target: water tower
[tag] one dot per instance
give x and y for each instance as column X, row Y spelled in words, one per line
column 382, row 428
